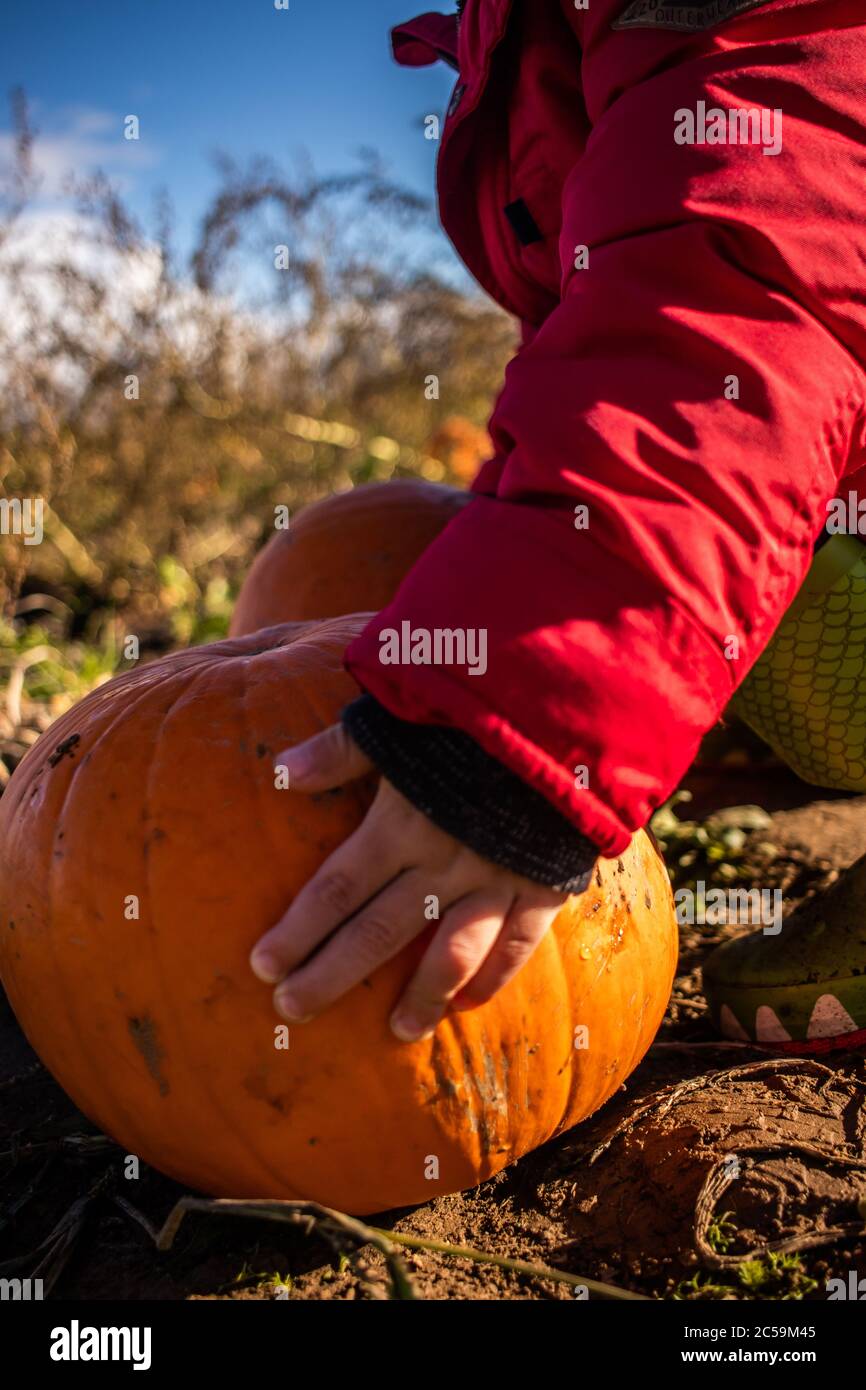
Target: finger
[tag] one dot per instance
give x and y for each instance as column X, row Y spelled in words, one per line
column 524, row 927
column 468, row 933
column 325, row 761
column 354, row 873
column 373, row 936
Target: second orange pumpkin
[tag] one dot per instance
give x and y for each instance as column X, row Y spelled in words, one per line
column 345, row 554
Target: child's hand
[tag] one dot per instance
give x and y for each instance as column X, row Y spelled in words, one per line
column 375, row 887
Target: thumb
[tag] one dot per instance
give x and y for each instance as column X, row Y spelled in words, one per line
column 324, row 761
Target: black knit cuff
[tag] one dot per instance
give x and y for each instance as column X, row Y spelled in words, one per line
column 474, row 797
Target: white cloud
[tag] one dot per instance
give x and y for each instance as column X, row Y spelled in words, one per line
column 78, row 141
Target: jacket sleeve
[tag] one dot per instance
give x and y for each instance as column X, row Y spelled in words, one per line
column 669, row 439
column 474, row 797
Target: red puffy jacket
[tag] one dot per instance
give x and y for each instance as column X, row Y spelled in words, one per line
column 694, row 302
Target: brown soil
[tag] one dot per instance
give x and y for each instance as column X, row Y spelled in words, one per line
column 626, row 1217
column 797, row 1130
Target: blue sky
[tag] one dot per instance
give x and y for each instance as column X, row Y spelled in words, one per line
column 206, row 75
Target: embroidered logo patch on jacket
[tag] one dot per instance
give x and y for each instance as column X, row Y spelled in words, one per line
column 688, row 18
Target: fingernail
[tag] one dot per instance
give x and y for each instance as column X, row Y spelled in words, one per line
column 265, row 967
column 296, row 759
column 409, row 1029
column 289, row 1007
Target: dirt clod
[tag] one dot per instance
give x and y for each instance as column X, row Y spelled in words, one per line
column 778, row 1145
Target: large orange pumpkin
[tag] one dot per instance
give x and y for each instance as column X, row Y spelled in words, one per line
column 144, row 848
column 345, row 553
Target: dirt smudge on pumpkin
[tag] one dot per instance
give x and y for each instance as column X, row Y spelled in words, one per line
column 222, row 987
column 143, row 1034
column 445, row 1087
column 493, row 1098
column 63, row 749
column 256, row 1086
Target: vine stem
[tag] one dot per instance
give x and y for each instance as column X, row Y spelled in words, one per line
column 330, row 1224
column 335, row 1226
column 466, row 1252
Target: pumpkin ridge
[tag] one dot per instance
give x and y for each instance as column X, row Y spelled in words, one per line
column 670, row 944
column 643, row 932
column 499, row 1136
column 93, row 1065
column 570, row 983
column 371, row 1079
column 621, row 1012
column 638, row 1039
column 477, row 1078
column 186, row 685
column 176, row 1016
column 452, row 1040
column 282, row 1178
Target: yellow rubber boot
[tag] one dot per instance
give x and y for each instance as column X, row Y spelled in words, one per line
column 806, row 695
column 803, row 990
